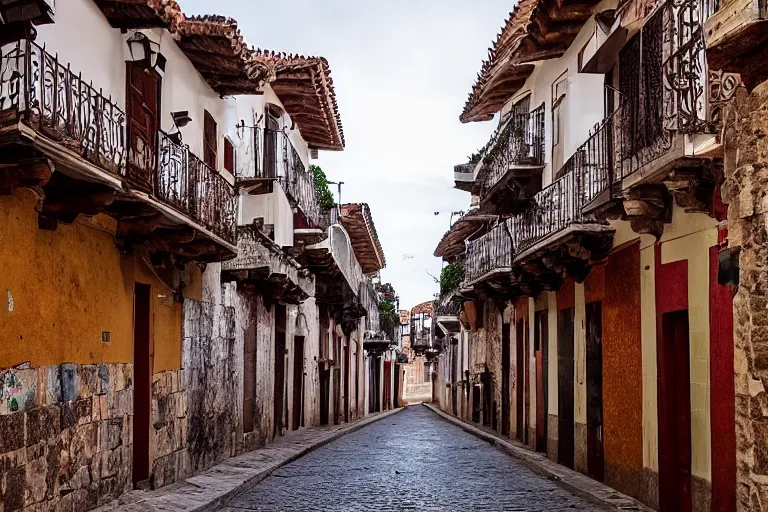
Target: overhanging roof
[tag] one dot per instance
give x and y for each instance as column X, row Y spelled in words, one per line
column 217, row 50
column 305, row 88
column 131, row 14
column 357, row 220
column 452, row 243
column 535, row 30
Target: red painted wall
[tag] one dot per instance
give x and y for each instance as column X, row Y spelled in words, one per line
column 566, row 295
column 722, row 393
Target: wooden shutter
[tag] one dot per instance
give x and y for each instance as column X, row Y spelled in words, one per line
column 229, row 156
column 209, row 140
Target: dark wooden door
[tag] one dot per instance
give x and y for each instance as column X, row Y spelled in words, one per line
column 506, row 399
column 279, row 383
column 387, row 385
column 271, row 153
column 527, row 383
column 142, row 380
column 298, row 381
column 142, row 101
column 674, row 414
column 487, row 382
column 540, row 345
column 347, row 362
column 519, row 381
column 325, row 393
column 249, row 378
column 595, row 441
column 565, row 390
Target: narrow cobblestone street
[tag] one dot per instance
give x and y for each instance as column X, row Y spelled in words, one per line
column 413, row 460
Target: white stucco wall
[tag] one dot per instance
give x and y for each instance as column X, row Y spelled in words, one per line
column 583, row 107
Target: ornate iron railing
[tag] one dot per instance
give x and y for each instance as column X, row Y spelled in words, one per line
column 50, row 97
column 299, row 183
column 448, row 305
column 184, row 182
column 369, row 299
column 664, row 84
column 553, row 209
column 520, row 142
column 593, row 161
column 492, row 251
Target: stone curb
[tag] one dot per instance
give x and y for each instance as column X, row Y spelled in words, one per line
column 211, row 489
column 574, row 481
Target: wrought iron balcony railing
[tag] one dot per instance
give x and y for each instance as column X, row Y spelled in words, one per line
column 519, row 143
column 664, row 84
column 369, row 301
column 55, row 101
column 491, row 252
column 554, row 209
column 276, row 159
column 190, row 186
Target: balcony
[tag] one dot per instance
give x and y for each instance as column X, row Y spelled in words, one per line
column 737, row 35
column 511, row 169
column 488, row 264
column 422, row 340
column 554, row 236
column 337, row 271
column 51, row 118
column 464, row 176
column 262, row 265
column 447, row 312
column 273, row 160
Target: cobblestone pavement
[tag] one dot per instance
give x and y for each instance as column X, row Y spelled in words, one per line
column 410, row 461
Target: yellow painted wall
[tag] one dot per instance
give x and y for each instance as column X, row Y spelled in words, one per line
column 70, row 285
column 648, row 340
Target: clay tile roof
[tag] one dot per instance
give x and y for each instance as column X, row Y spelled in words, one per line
column 218, row 51
column 424, row 307
column 358, row 222
column 535, row 30
column 452, row 244
column 140, row 13
column 305, row 88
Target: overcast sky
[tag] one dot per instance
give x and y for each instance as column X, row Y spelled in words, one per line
column 402, row 70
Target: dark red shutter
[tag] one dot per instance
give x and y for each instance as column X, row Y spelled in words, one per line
column 209, row 140
column 229, row 156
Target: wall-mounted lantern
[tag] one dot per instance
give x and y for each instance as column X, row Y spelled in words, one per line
column 144, row 51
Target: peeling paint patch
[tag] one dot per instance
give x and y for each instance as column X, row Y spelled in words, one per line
column 10, row 301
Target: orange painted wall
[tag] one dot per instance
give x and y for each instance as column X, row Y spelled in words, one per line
column 566, row 294
column 70, row 285
column 622, row 372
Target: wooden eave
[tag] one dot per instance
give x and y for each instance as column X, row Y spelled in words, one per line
column 305, row 88
column 357, row 221
column 536, row 30
column 218, row 51
column 452, row 244
column 135, row 14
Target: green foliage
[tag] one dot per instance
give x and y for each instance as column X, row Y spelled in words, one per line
column 451, row 277
column 388, row 317
column 324, row 196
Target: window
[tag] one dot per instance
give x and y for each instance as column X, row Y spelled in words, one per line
column 209, row 140
column 559, row 91
column 229, row 155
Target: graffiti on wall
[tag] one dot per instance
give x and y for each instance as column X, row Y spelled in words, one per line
column 17, row 388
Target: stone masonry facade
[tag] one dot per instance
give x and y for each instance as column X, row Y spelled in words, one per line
column 65, row 436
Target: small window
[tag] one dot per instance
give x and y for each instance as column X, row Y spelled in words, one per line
column 209, row 140
column 229, row 155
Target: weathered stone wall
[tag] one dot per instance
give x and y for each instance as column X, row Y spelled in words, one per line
column 212, row 355
column 65, row 436
column 746, row 191
column 169, row 429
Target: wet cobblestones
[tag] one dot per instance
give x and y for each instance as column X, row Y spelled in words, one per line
column 413, row 460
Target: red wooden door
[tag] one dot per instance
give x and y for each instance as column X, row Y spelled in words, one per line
column 539, row 344
column 520, row 340
column 142, row 100
column 674, row 414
